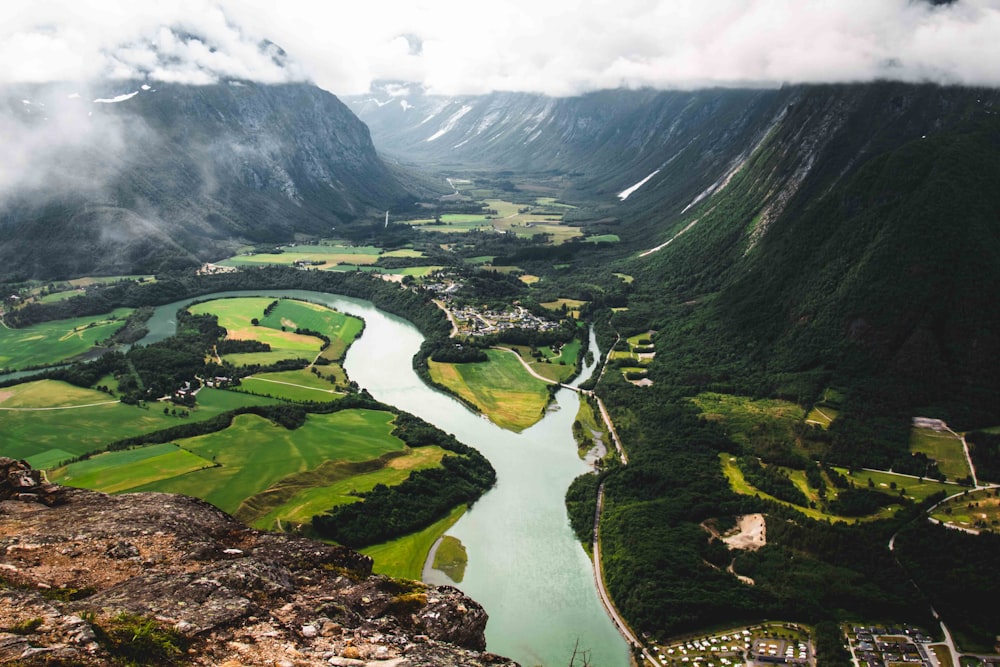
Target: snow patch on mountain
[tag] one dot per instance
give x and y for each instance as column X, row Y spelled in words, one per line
column 449, row 124
column 624, row 194
column 115, row 100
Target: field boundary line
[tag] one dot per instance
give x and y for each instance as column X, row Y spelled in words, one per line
column 61, row 407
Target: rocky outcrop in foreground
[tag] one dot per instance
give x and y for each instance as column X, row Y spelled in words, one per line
column 162, row 579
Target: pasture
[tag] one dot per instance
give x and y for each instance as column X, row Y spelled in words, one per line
column 254, row 454
column 317, row 255
column 53, row 342
column 46, row 438
column 340, row 328
column 115, row 472
column 300, row 385
column 335, row 483
column 556, row 366
column 945, row 448
column 500, row 388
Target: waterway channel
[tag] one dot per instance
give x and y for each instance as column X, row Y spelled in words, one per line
column 525, row 566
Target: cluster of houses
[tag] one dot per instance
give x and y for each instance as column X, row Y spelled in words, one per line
column 481, row 321
column 880, row 647
column 215, row 269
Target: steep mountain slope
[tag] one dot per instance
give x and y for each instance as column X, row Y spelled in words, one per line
column 145, row 177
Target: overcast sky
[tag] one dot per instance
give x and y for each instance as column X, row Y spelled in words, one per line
column 558, row 47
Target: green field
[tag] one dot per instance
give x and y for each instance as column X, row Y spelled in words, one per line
column 331, row 484
column 42, row 437
column 558, row 367
column 253, row 454
column 976, row 510
column 500, row 388
column 943, row 447
column 741, row 414
column 52, row 342
column 115, row 472
column 301, row 385
column 451, row 558
column 404, row 557
column 324, row 255
column 822, row 416
column 603, row 238
column 916, row 489
column 237, row 315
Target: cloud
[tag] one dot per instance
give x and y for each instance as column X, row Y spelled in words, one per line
column 558, row 47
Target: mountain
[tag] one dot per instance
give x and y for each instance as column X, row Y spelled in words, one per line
column 139, row 177
column 809, row 231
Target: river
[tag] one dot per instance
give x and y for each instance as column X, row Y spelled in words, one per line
column 525, row 566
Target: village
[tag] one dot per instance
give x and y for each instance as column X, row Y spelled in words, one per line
column 480, row 320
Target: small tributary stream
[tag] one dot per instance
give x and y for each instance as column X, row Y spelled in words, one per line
column 525, row 567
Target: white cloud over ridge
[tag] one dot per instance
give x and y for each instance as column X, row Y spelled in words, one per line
column 558, row 47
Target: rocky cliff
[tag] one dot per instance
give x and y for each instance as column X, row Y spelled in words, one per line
column 92, row 579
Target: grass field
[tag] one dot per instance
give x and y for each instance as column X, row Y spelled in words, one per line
column 977, row 510
column 944, row 448
column 501, row 388
column 557, row 367
column 741, row 413
column 603, row 238
column 336, row 483
column 53, row 342
column 115, row 472
column 300, row 386
column 915, row 489
column 254, row 453
column 822, row 416
column 739, row 484
column 43, row 437
column 404, row 557
column 323, row 254
column 236, row 316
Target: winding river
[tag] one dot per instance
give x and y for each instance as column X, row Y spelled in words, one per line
column 525, row 567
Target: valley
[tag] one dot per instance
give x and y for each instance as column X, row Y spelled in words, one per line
column 770, row 338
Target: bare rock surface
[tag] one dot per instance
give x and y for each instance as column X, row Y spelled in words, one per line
column 202, row 589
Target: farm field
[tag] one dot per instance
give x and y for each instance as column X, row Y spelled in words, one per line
column 115, row 472
column 319, row 255
column 300, row 385
column 556, row 367
column 338, row 483
column 501, row 388
column 404, row 557
column 52, row 342
column 253, row 453
column 237, row 315
column 67, row 433
column 943, row 447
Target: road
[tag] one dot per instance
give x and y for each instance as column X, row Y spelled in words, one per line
column 602, row 591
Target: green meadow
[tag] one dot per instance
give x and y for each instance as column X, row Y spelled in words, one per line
column 501, row 388
column 404, row 557
column 115, row 472
column 944, row 447
column 254, row 454
column 52, row 342
column 46, row 437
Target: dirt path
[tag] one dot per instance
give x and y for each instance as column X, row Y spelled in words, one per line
column 529, row 368
column 451, row 318
column 292, row 384
column 62, row 407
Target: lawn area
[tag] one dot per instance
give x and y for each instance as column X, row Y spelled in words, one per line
column 416, row 271
column 405, row 556
column 603, row 238
column 977, row 510
column 254, row 453
column 52, row 342
column 44, row 441
column 114, row 472
column 915, row 489
column 501, row 388
column 331, row 484
column 944, row 448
